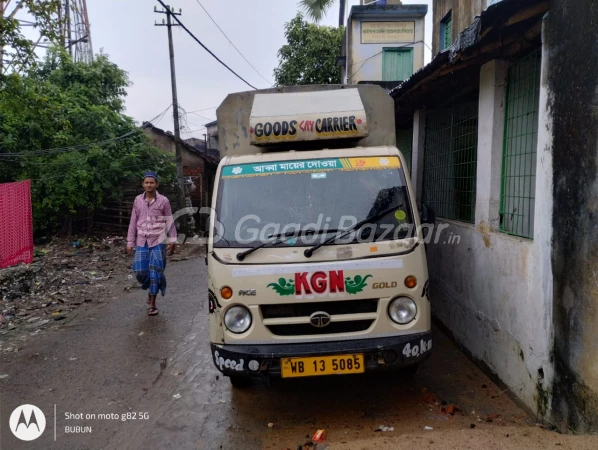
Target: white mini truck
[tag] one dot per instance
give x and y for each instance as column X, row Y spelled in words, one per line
column 316, row 260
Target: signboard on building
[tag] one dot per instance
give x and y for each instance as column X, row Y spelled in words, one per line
column 387, row 32
column 307, row 116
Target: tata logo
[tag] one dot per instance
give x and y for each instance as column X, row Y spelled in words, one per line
column 247, row 292
column 27, row 422
column 320, row 319
column 385, row 285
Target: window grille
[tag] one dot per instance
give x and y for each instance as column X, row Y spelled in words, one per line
column 518, row 187
column 450, row 161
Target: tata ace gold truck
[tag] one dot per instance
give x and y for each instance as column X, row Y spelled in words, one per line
column 316, row 261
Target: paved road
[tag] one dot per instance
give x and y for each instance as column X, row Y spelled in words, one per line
column 114, row 360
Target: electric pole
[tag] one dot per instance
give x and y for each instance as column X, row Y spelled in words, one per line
column 175, row 109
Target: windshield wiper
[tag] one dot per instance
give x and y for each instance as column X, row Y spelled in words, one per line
column 308, row 252
column 241, row 256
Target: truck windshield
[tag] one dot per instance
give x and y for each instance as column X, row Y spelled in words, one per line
column 257, row 201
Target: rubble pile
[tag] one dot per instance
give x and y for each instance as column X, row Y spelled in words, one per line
column 65, row 274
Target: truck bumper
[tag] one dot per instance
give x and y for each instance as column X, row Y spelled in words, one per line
column 379, row 353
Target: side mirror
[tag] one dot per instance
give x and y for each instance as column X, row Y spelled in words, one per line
column 428, row 215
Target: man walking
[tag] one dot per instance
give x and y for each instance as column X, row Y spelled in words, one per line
column 151, row 220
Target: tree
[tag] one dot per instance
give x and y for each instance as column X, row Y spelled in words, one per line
column 75, row 110
column 16, row 51
column 316, row 9
column 309, row 57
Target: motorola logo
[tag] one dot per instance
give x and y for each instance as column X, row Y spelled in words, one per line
column 27, row 422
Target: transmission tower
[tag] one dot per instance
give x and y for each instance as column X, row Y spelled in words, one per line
column 76, row 34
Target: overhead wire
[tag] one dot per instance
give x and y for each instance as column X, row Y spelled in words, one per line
column 196, row 125
column 202, row 44
column 52, row 151
column 189, row 129
column 203, row 117
column 195, row 131
column 54, row 162
column 160, row 116
column 205, row 109
column 67, row 149
column 187, row 122
column 96, row 172
column 183, row 117
column 231, row 43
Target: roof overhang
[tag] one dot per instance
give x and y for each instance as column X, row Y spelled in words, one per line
column 507, row 29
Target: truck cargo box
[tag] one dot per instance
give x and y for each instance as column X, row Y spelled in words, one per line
column 305, row 118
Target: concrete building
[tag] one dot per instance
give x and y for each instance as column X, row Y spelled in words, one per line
column 212, row 136
column 202, row 146
column 504, row 148
column 383, row 43
column 199, row 168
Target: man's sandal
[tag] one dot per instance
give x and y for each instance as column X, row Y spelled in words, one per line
column 152, row 312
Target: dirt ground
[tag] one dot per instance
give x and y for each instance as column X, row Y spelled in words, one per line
column 109, row 357
column 65, row 274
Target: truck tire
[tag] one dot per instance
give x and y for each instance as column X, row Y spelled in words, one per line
column 240, row 382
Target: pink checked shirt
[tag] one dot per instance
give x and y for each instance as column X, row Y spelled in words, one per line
column 149, row 222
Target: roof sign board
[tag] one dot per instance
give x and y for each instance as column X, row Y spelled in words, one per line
column 387, row 32
column 307, row 116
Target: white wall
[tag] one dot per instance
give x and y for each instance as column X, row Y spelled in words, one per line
column 492, row 290
column 365, row 60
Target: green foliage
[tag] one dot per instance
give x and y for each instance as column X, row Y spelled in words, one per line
column 316, row 9
column 14, row 46
column 63, row 104
column 309, row 57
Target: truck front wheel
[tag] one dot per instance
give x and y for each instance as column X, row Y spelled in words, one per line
column 240, row 382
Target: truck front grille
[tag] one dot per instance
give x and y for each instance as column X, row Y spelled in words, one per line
column 307, row 329
column 307, row 309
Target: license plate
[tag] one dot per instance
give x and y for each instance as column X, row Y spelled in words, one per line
column 322, row 365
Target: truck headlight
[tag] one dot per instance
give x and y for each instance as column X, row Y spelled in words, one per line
column 237, row 319
column 402, row 310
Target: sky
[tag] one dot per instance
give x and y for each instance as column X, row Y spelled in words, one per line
column 125, row 31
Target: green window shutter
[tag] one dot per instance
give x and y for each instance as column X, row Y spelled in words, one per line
column 397, row 64
column 448, row 32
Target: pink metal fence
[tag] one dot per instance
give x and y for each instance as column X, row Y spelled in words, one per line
column 16, row 224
